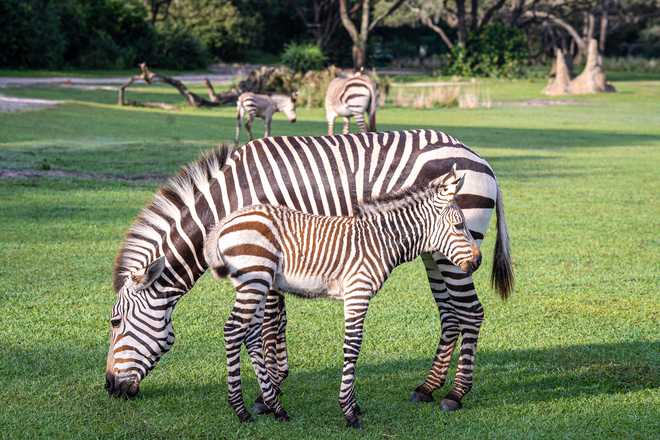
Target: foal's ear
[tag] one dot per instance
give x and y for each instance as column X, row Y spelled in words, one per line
column 449, row 178
column 145, row 277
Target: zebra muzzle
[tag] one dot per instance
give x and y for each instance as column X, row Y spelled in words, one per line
column 121, row 388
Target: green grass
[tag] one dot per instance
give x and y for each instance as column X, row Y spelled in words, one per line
column 575, row 353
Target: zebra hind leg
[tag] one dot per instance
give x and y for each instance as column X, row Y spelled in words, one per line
column 449, row 333
column 347, row 125
column 269, row 391
column 274, row 346
column 244, row 326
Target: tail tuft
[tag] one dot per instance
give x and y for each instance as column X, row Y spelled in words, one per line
column 502, row 278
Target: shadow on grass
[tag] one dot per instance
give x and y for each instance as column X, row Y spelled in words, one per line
column 515, row 376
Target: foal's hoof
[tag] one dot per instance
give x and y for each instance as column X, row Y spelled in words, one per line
column 420, row 396
column 282, row 416
column 245, row 418
column 449, row 405
column 353, row 422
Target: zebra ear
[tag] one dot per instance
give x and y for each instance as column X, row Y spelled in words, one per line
column 145, row 277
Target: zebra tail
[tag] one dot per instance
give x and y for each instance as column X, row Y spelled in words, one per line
column 212, row 256
column 502, row 276
column 372, row 111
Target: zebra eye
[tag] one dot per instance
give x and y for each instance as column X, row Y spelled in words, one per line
column 459, row 226
column 115, row 322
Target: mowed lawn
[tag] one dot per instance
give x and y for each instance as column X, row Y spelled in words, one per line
column 574, row 353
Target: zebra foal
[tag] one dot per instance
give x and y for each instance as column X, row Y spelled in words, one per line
column 264, row 249
column 251, row 105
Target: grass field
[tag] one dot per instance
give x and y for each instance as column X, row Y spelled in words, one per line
column 575, row 353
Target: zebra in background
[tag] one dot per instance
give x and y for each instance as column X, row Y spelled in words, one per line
column 264, row 107
column 273, row 248
column 351, row 96
column 162, row 255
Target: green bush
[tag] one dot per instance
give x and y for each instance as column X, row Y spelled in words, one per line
column 177, row 49
column 497, row 50
column 303, row 57
column 31, row 34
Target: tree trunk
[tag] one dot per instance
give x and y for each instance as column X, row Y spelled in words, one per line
column 559, row 84
column 592, row 79
column 602, row 35
column 462, row 26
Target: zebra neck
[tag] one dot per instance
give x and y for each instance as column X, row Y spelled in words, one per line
column 402, row 235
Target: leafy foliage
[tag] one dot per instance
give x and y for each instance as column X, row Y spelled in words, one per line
column 302, row 57
column 497, row 50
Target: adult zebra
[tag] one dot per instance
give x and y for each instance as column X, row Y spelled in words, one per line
column 351, row 96
column 162, row 255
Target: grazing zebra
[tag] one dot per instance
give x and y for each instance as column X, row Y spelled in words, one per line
column 351, row 96
column 262, row 106
column 273, row 248
column 162, row 256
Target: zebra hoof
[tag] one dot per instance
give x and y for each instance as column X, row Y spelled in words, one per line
column 245, row 418
column 419, row 396
column 449, row 405
column 353, row 422
column 260, row 408
column 282, row 416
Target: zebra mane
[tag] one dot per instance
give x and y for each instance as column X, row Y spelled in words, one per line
column 174, row 200
column 391, row 201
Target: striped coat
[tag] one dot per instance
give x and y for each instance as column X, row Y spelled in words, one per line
column 348, row 97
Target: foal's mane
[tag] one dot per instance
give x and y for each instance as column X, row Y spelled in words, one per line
column 392, row 201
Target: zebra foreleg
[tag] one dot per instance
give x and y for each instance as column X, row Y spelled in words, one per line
column 355, row 311
column 248, row 126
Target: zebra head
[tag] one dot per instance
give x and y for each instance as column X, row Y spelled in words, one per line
column 451, row 237
column 287, row 105
column 141, row 329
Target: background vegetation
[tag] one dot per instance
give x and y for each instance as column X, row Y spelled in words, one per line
column 490, row 37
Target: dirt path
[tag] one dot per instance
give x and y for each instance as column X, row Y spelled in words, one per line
column 11, row 104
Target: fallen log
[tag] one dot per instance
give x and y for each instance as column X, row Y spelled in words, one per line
column 193, row 99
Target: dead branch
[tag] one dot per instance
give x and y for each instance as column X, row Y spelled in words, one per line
column 191, row 98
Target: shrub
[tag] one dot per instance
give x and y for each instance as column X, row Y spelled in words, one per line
column 31, row 35
column 497, row 50
column 177, row 49
column 303, row 57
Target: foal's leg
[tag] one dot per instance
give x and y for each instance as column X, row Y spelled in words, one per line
column 246, row 316
column 274, row 345
column 356, row 304
column 269, row 392
column 359, row 120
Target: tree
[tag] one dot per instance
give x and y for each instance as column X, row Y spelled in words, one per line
column 361, row 36
column 321, row 19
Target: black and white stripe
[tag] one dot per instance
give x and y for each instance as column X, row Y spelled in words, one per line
column 268, row 248
column 351, row 97
column 251, row 105
column 328, row 175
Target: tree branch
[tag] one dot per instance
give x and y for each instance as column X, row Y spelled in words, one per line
column 391, row 10
column 490, row 12
column 346, row 21
column 559, row 22
column 426, row 21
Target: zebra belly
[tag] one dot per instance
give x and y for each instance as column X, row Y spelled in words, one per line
column 308, row 286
